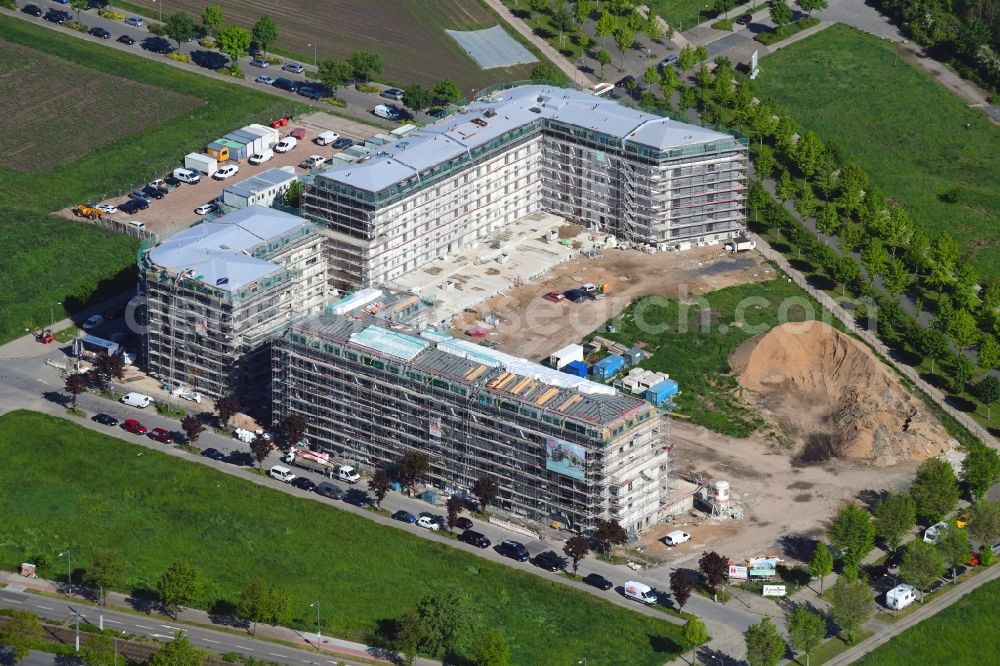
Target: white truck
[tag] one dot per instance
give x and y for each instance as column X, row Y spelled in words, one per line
column 326, row 138
column 640, row 592
column 321, row 464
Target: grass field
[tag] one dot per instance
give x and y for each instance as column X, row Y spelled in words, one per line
column 694, row 346
column 51, row 115
column 964, row 634
column 94, row 491
column 121, row 120
column 409, row 35
column 919, row 142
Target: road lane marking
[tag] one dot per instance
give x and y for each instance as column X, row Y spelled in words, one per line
column 275, row 654
column 142, row 626
column 112, row 621
column 12, row 601
column 209, row 640
column 167, row 626
column 161, row 636
column 244, row 648
column 46, row 607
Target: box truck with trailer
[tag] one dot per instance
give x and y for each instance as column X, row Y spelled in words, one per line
column 321, row 464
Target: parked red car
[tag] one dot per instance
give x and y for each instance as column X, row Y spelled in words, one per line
column 134, row 427
column 555, row 296
column 161, row 435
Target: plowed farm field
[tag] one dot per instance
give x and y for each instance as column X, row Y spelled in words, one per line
column 408, row 34
column 56, row 111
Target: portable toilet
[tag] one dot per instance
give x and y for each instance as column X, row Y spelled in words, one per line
column 900, row 597
column 219, row 151
column 578, row 368
column 608, row 366
column 661, row 392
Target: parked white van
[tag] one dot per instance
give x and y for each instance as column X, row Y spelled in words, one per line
column 348, row 474
column 281, row 473
column 326, row 138
column 261, row 157
column 900, row 597
column 140, row 400
column 676, row 537
column 640, row 592
column 187, row 176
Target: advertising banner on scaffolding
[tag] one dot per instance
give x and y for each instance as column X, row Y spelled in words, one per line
column 434, row 429
column 565, row 458
column 737, row 572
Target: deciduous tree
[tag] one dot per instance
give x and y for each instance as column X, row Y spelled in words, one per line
column 485, row 489
column 962, row 369
column 582, row 9
column 624, row 38
column 821, row 564
column 681, row 586
column 687, row 59
column 447, row 91
column 212, row 18
column 576, row 548
column 932, row 344
column 714, row 568
column 20, row 632
column 984, row 523
column 491, row 650
column 265, row 32
column 853, row 533
column 293, row 194
column 180, row 27
column 419, row 98
column 765, row 646
column 609, row 534
column 414, row 465
column 694, row 632
column 895, row 516
column 259, row 602
column 98, row 650
column 446, row 620
column 810, row 6
column 954, row 547
column 963, row 329
column 260, row 447
column 652, row 29
column 921, row 565
column 546, row 71
column 806, row 630
column 981, row 465
column 79, row 6
column 179, row 585
column 106, row 570
column 335, row 73
column 192, row 427
column 76, row 384
column 851, row 605
column 234, row 41
column 989, row 354
column 604, row 58
column 364, row 64
column 765, row 162
column 108, row 368
column 785, row 188
column 378, row 484
column 605, row 26
column 935, row 489
column 781, row 15
column 226, row 408
column 454, row 507
column 178, row 652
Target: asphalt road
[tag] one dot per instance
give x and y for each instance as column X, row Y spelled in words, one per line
column 215, row 641
column 204, row 60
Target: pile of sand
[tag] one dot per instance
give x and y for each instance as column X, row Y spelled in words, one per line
column 835, row 397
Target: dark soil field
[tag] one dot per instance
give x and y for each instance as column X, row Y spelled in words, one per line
column 56, row 111
column 408, row 34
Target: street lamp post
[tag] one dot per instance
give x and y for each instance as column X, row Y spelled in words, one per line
column 52, row 313
column 319, row 634
column 315, row 60
column 159, row 3
column 69, row 566
column 115, row 638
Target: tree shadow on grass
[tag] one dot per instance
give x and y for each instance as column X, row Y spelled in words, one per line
column 869, row 497
column 821, row 282
column 144, row 600
column 960, row 403
column 663, row 644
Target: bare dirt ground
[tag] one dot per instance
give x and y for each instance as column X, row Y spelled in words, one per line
column 533, row 327
column 784, row 503
column 175, row 212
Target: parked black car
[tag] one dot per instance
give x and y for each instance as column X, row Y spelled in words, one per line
column 327, row 489
column 342, row 143
column 33, row 10
column 745, row 19
column 549, row 561
column 133, row 206
column 598, row 581
column 463, row 523
column 214, row 454
column 154, row 192
column 302, row 483
column 126, row 40
column 57, row 16
column 105, row 419
column 286, row 84
column 357, row 498
column 514, row 550
column 475, row 539
column 575, row 295
column 625, row 81
column 315, row 91
column 100, row 32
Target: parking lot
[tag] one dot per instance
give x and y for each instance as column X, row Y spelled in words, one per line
column 175, row 212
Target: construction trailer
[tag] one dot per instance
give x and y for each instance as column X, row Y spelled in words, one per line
column 608, row 366
column 567, row 354
column 261, row 189
column 201, row 163
column 217, row 292
column 642, row 178
column 371, row 387
column 578, row 368
column 661, row 392
column 635, row 356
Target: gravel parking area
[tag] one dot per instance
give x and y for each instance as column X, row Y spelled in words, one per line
column 175, row 212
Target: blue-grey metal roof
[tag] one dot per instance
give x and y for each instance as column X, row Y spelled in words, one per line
column 220, row 253
column 264, row 180
column 435, row 144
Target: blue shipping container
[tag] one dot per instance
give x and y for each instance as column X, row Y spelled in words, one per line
column 608, row 367
column 578, row 368
column 661, row 392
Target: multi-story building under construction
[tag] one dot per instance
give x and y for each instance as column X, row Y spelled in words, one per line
column 561, row 447
column 643, row 178
column 217, row 292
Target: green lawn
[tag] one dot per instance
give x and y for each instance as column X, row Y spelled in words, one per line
column 964, row 634
column 95, row 491
column 693, row 347
column 919, row 142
